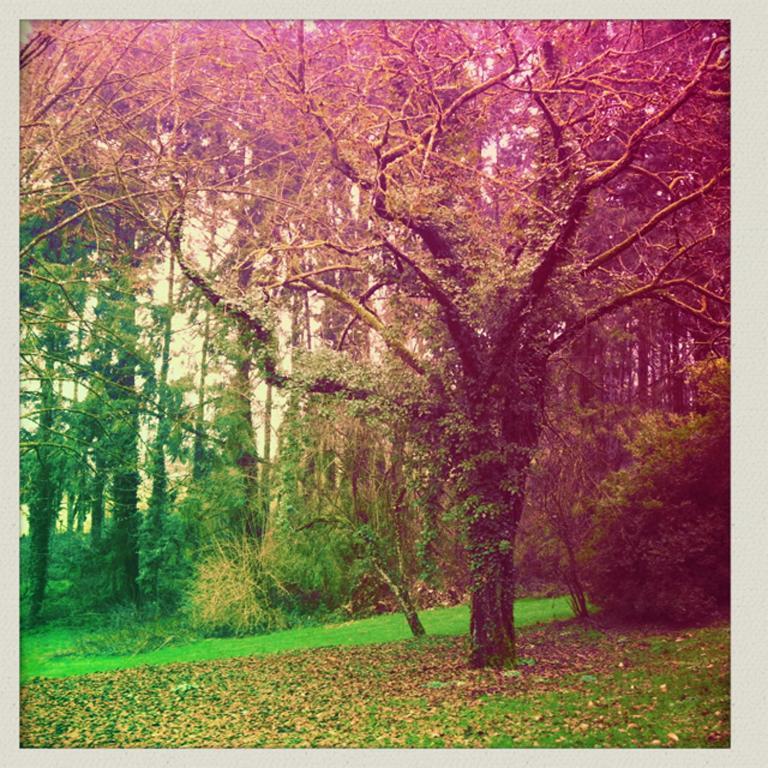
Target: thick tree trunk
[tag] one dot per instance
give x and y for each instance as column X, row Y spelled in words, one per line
column 492, row 627
column 495, row 494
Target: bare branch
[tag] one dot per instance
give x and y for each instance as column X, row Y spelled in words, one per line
column 658, row 217
column 367, row 317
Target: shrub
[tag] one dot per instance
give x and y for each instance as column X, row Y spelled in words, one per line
column 661, row 548
column 234, row 591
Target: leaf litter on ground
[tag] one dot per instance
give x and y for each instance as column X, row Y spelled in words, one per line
column 407, row 694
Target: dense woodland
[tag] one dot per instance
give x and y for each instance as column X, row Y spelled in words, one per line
column 320, row 319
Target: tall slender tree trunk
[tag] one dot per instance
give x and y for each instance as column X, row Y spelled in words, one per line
column 152, row 529
column 71, row 502
column 198, row 456
column 253, row 523
column 82, row 483
column 125, row 486
column 664, row 373
column 585, row 388
column 643, row 363
column 125, row 439
column 97, row 497
column 266, row 466
column 42, row 508
column 81, row 507
column 678, row 401
column 248, row 459
column 308, row 320
column 402, row 596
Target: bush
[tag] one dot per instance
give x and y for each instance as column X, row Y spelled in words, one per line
column 77, row 584
column 234, row 591
column 661, row 548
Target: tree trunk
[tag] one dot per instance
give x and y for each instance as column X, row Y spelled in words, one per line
column 198, row 460
column 152, row 528
column 497, row 494
column 266, row 467
column 42, row 510
column 71, row 500
column 199, row 464
column 125, row 485
column 308, row 320
column 492, row 628
column 586, row 368
column 402, row 596
column 125, row 478
column 97, row 498
column 253, row 524
column 575, row 587
column 677, row 385
column 643, row 363
column 81, row 505
column 494, row 498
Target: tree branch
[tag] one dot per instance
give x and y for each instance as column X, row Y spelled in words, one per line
column 601, row 177
column 658, row 217
column 367, row 317
column 463, row 336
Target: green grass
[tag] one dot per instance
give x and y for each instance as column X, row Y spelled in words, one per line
column 54, row 652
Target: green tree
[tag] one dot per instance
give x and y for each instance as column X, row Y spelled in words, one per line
column 48, row 309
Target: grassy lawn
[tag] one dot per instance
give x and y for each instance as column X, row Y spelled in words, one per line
column 55, row 652
column 575, row 687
